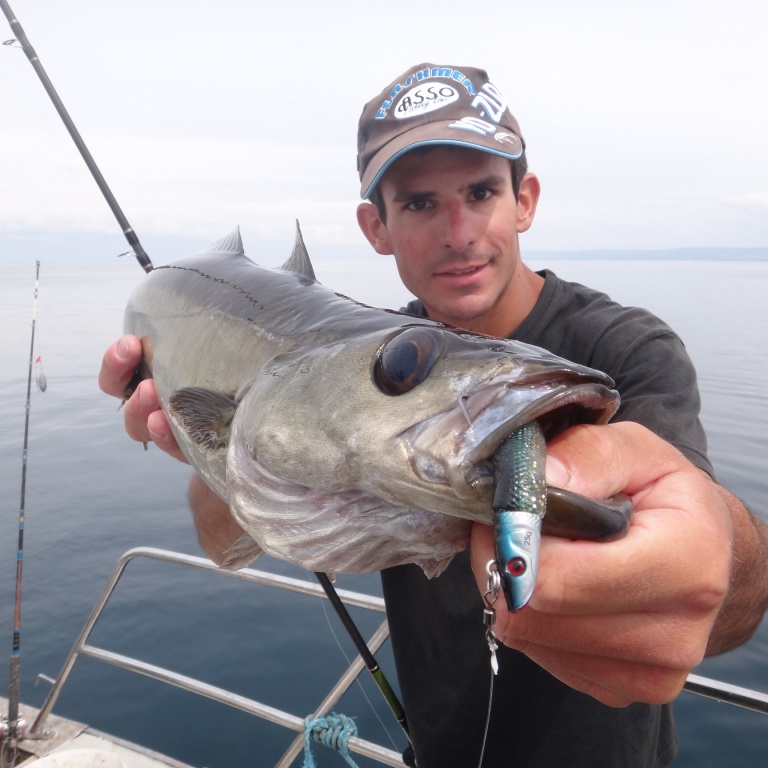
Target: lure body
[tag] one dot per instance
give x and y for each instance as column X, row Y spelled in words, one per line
column 519, row 505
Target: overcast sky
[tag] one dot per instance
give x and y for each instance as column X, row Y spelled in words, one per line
column 647, row 122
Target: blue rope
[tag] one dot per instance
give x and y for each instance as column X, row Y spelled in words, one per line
column 331, row 730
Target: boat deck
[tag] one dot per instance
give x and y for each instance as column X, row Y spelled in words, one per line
column 90, row 744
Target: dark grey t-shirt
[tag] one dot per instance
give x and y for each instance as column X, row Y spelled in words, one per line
column 436, row 625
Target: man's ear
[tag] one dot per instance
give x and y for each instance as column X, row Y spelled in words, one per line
column 374, row 228
column 527, row 200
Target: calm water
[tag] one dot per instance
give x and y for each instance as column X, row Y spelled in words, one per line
column 92, row 494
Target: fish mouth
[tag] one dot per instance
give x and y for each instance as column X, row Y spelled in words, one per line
column 456, row 447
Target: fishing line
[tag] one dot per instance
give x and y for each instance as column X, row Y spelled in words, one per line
column 487, row 721
column 357, row 679
column 369, row 660
column 9, row 744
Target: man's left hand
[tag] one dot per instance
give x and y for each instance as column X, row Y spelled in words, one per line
column 624, row 621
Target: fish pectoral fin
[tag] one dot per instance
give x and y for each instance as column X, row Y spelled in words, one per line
column 205, row 415
column 243, row 552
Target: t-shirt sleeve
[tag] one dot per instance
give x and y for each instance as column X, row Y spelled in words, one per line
column 659, row 389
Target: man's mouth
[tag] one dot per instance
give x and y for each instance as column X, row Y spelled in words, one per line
column 460, row 272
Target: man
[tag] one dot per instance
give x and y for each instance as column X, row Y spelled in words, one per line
column 612, row 629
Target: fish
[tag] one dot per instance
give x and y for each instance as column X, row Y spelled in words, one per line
column 347, row 438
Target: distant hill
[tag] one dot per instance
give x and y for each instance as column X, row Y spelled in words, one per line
column 102, row 248
column 661, row 254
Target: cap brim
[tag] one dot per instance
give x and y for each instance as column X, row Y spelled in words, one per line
column 502, row 143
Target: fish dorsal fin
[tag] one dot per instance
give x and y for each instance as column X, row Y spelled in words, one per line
column 298, row 262
column 231, row 245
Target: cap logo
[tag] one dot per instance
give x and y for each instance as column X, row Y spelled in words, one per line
column 503, row 136
column 425, row 98
column 490, row 102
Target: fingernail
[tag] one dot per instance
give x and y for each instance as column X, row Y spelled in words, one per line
column 557, row 473
column 123, row 349
column 147, row 402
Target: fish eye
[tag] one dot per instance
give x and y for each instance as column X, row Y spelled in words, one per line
column 406, row 360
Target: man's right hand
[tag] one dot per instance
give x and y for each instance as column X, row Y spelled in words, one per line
column 145, row 422
column 144, row 418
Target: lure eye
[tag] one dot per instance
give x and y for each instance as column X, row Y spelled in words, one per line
column 406, row 360
column 516, row 566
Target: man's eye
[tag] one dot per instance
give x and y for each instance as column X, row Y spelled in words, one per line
column 418, row 205
column 481, row 194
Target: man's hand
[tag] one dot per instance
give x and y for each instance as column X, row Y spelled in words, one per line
column 624, row 621
column 144, row 419
column 145, row 422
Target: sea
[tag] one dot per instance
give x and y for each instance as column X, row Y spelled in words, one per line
column 91, row 494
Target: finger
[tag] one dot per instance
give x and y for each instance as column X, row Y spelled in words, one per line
column 160, row 431
column 678, row 545
column 145, row 420
column 666, row 561
column 590, row 598
column 138, row 408
column 599, row 461
column 622, row 634
column 118, row 365
column 676, row 640
column 671, row 559
column 615, row 685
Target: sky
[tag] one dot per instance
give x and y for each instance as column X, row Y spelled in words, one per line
column 646, row 122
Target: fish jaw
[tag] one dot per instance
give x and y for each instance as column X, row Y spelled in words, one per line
column 455, row 448
column 336, row 531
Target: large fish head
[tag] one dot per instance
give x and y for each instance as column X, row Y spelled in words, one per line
column 412, row 415
column 498, row 385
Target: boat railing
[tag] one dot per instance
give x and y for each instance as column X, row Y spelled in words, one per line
column 713, row 689
column 81, row 648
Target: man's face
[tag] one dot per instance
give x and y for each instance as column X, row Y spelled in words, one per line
column 452, row 223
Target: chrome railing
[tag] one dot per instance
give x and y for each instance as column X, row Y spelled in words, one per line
column 727, row 693
column 702, row 686
column 81, row 648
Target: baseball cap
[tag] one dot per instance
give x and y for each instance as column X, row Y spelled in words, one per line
column 434, row 105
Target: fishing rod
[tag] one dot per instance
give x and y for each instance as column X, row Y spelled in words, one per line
column 9, row 744
column 369, row 660
column 34, row 60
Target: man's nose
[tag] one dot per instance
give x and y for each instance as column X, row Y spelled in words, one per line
column 459, row 230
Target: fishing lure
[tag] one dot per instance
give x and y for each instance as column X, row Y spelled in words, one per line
column 520, row 502
column 519, row 505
